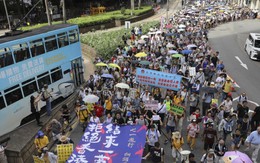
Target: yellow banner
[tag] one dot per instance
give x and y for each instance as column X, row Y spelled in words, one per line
column 64, row 151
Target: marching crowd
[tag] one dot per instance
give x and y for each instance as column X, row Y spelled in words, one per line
column 209, row 113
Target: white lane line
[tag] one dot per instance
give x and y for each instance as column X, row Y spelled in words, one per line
column 241, row 63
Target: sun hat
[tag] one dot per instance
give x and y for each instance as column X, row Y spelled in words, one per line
column 211, row 151
column 63, row 138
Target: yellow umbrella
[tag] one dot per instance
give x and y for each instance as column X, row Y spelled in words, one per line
column 114, row 65
column 141, row 54
column 101, row 64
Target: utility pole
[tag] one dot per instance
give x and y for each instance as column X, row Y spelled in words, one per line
column 48, row 12
column 7, row 16
column 63, row 10
column 167, row 12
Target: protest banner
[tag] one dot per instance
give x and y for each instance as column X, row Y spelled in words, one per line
column 64, row 151
column 158, row 79
column 192, row 71
column 156, row 117
column 151, row 104
column 177, row 109
column 110, row 143
column 37, row 159
column 133, row 92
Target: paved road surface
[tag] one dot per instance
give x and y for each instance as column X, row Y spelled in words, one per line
column 229, row 40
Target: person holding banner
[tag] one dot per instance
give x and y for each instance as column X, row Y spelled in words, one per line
column 161, row 110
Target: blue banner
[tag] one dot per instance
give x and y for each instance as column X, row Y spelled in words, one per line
column 108, row 143
column 158, row 79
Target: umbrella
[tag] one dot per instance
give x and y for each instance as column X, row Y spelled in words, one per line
column 107, row 76
column 169, row 45
column 169, row 34
column 151, row 33
column 91, row 99
column 158, row 32
column 186, row 51
column 191, row 46
column 141, row 54
column 141, row 41
column 101, row 64
column 144, row 36
column 114, row 65
column 209, row 89
column 172, row 52
column 182, row 26
column 168, row 26
column 144, row 62
column 122, row 85
column 236, row 157
column 176, row 55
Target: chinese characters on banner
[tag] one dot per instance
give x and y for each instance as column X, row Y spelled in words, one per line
column 106, row 143
column 158, row 79
column 177, row 109
column 151, row 104
column 64, row 151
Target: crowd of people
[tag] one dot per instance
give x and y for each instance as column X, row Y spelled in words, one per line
column 206, row 95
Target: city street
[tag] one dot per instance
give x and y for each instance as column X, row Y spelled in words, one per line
column 229, row 39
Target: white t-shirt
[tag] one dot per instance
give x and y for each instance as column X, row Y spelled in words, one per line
column 94, row 120
column 208, row 159
column 153, row 136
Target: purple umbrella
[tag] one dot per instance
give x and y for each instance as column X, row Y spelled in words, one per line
column 236, row 157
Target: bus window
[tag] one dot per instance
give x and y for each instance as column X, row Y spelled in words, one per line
column 66, row 71
column 37, row 47
column 14, row 95
column 21, row 52
column 63, row 39
column 56, row 75
column 50, row 43
column 29, row 87
column 6, row 58
column 43, row 79
column 2, row 103
column 73, row 36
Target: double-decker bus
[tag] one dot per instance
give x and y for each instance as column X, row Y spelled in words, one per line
column 48, row 55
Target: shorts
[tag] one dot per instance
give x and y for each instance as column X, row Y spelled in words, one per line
column 169, row 128
column 175, row 153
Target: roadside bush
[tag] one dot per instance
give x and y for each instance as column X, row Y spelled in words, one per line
column 106, row 42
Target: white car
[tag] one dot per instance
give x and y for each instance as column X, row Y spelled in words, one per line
column 252, row 46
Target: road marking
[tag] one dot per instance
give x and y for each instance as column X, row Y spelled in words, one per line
column 255, row 103
column 241, row 63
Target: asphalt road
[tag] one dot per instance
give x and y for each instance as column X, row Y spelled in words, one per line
column 229, row 39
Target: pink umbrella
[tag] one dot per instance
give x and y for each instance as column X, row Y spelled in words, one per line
column 236, row 157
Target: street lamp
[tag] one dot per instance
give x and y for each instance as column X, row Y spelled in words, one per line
column 7, row 16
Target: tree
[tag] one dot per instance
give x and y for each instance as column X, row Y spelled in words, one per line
column 139, row 4
column 132, row 6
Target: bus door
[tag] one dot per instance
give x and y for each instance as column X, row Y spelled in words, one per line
column 77, row 71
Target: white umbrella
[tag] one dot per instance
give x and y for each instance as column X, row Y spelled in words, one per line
column 172, row 52
column 158, row 32
column 182, row 26
column 91, row 99
column 151, row 33
column 141, row 41
column 144, row 36
column 192, row 46
column 122, row 85
column 169, row 45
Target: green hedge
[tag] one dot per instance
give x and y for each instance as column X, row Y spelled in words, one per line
column 97, row 19
column 106, row 42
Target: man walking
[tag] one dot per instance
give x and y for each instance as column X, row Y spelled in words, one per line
column 253, row 143
column 47, row 98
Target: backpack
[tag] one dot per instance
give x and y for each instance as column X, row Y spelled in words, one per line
column 43, row 97
column 205, row 158
column 228, row 126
